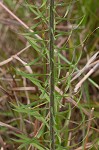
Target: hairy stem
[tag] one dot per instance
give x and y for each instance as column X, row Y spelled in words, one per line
column 51, row 48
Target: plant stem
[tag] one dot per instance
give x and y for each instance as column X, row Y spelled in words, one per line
column 51, row 48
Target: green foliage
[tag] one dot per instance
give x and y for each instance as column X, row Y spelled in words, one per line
column 73, row 38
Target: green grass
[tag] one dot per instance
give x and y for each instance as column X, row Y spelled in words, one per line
column 25, row 120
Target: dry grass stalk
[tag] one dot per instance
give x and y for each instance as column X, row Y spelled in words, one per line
column 13, row 56
column 89, row 64
column 2, row 143
column 19, row 20
column 10, row 127
column 24, row 89
column 70, row 100
column 28, row 68
column 88, row 145
column 86, row 77
column 88, row 128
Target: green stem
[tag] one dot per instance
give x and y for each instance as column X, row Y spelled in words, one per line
column 51, row 48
